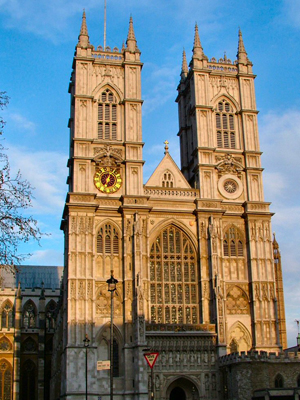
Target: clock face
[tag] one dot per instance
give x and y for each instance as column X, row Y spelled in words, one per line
column 108, row 180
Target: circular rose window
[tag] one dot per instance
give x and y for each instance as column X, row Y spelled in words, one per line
column 230, row 186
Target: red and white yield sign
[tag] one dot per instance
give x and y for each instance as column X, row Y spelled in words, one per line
column 151, row 358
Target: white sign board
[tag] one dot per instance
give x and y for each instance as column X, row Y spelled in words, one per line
column 101, row 365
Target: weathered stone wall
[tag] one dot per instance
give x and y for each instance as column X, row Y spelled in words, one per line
column 244, row 374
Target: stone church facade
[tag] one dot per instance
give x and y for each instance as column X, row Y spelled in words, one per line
column 199, row 275
column 191, row 249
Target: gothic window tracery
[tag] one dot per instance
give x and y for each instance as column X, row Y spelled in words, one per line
column 50, row 310
column 29, row 346
column 237, row 302
column 107, row 116
column 29, row 315
column 5, row 380
column 7, row 315
column 108, row 241
column 167, row 179
column 279, row 381
column 173, row 279
column 225, row 124
column 233, row 243
column 5, row 344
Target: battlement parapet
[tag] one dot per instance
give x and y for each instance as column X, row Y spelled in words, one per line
column 262, row 356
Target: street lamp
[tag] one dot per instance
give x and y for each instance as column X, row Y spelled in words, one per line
column 86, row 342
column 112, row 286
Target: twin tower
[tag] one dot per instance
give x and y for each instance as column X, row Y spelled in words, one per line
column 198, row 273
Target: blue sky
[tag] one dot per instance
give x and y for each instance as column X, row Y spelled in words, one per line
column 38, row 38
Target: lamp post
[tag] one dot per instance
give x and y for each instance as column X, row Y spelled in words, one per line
column 112, row 286
column 86, row 342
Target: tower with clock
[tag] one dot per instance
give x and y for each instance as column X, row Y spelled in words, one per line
column 191, row 248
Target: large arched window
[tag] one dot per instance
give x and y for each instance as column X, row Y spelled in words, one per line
column 233, row 244
column 28, row 380
column 29, row 315
column 107, row 116
column 225, row 124
column 7, row 315
column 173, row 279
column 5, row 380
column 108, row 240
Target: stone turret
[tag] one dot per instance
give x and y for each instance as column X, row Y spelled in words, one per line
column 184, row 67
column 198, row 54
column 131, row 43
column 245, row 65
column 83, row 38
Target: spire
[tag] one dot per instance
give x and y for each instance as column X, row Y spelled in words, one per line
column 241, row 54
column 83, row 38
column 131, row 40
column 184, row 68
column 197, row 49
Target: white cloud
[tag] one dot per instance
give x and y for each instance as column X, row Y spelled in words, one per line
column 291, row 11
column 46, row 171
column 53, row 19
column 46, row 257
column 280, row 142
column 161, row 79
column 22, row 122
column 50, row 19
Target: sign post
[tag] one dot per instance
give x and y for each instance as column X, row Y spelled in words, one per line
column 151, row 360
column 101, row 365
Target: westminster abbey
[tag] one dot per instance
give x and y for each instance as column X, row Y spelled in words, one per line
column 199, row 274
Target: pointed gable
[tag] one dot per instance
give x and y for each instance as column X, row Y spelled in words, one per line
column 167, row 174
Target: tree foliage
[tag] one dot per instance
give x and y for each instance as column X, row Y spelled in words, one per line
column 15, row 197
column 3, row 103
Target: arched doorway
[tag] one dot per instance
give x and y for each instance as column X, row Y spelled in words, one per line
column 177, row 394
column 182, row 389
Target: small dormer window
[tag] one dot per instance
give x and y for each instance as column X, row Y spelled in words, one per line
column 167, row 179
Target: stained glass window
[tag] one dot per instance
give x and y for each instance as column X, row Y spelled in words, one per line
column 176, row 285
column 7, row 315
column 5, row 380
column 29, row 315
